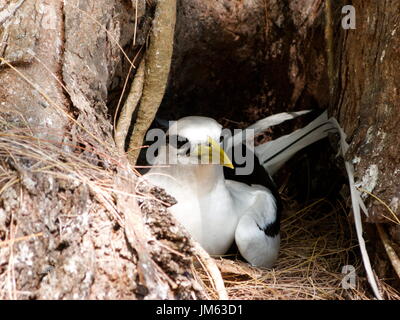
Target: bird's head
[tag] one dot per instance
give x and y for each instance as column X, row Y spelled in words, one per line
column 195, row 140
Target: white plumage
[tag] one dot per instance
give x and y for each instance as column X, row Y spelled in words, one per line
column 214, row 210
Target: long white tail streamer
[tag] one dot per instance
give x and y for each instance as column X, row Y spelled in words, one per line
column 357, row 203
column 274, row 154
column 262, row 125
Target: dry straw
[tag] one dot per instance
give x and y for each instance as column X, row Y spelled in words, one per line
column 317, row 241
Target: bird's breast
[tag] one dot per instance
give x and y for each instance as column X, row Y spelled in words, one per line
column 204, row 204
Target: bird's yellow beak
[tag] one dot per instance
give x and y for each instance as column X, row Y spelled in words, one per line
column 213, row 153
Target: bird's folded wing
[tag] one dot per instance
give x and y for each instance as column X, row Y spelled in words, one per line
column 257, row 232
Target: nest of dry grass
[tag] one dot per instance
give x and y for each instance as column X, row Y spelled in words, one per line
column 317, row 241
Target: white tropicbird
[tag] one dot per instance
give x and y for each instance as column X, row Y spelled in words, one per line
column 213, row 207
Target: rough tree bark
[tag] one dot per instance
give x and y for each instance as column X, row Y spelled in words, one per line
column 366, row 100
column 66, row 195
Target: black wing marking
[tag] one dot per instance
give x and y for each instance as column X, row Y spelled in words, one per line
column 258, row 176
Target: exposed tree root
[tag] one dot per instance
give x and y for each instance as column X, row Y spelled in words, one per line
column 394, row 259
column 158, row 61
column 129, row 108
column 212, row 269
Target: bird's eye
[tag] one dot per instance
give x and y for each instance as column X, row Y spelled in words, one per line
column 177, row 141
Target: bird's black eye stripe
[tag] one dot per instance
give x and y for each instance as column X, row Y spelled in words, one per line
column 177, row 141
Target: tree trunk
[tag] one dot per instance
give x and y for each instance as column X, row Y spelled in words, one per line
column 366, row 98
column 70, row 226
